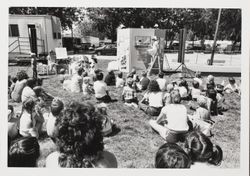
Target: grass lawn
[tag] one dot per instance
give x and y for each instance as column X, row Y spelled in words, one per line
column 135, row 144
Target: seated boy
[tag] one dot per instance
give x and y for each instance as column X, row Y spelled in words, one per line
column 119, row 80
column 144, row 81
column 101, row 89
column 129, row 94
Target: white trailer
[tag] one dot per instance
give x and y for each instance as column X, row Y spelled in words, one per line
column 34, row 33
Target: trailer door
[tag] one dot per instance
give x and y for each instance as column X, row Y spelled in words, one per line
column 32, row 38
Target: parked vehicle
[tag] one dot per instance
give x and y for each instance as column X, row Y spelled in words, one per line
column 109, row 49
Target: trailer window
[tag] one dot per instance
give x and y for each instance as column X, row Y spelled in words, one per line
column 13, row 30
column 59, row 35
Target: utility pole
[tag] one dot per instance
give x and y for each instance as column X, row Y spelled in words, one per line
column 215, row 38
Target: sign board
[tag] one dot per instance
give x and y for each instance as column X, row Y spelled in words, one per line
column 61, row 53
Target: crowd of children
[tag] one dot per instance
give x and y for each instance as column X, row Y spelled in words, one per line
column 77, row 129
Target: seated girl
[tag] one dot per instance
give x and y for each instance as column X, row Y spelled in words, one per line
column 79, row 140
column 152, row 102
column 31, row 119
column 87, row 88
column 172, row 123
column 13, row 123
column 201, row 119
column 24, row 152
column 170, row 155
column 19, row 86
column 28, row 91
column 232, row 86
column 202, row 151
column 119, row 80
column 56, row 108
column 129, row 94
column 195, row 91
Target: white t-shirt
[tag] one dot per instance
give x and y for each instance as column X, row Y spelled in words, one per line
column 231, row 88
column 76, row 83
column 195, row 92
column 183, row 91
column 27, row 124
column 176, row 115
column 162, row 83
column 119, row 82
column 154, row 99
column 100, row 88
column 50, row 126
column 28, row 93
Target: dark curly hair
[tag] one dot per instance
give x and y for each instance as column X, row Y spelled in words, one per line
column 170, row 155
column 153, row 86
column 200, row 148
column 21, row 75
column 79, row 135
column 23, row 152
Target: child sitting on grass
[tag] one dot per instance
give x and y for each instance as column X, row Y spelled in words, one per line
column 110, row 78
column 167, row 98
column 195, row 91
column 87, row 88
column 201, row 119
column 172, row 123
column 119, row 80
column 129, row 94
column 152, row 102
column 56, row 108
column 12, row 123
column 144, row 81
column 232, row 86
column 28, row 91
column 202, row 151
column 101, row 89
column 161, row 81
column 170, row 155
column 31, row 119
column 212, row 102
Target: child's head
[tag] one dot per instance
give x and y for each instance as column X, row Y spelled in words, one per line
column 133, row 71
column 175, row 97
column 210, row 79
column 21, row 75
column 144, row 74
column 200, row 148
column 160, row 75
column 79, row 134
column 196, row 84
column 29, row 105
column 62, row 71
column 130, row 82
column 14, row 79
column 56, row 106
column 86, row 80
column 79, row 71
column 231, row 80
column 99, row 76
column 153, row 86
column 31, row 83
column 170, row 87
column 219, row 88
column 120, row 75
column 183, row 83
column 24, row 152
column 202, row 101
column 85, row 74
column 198, row 74
column 170, row 155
